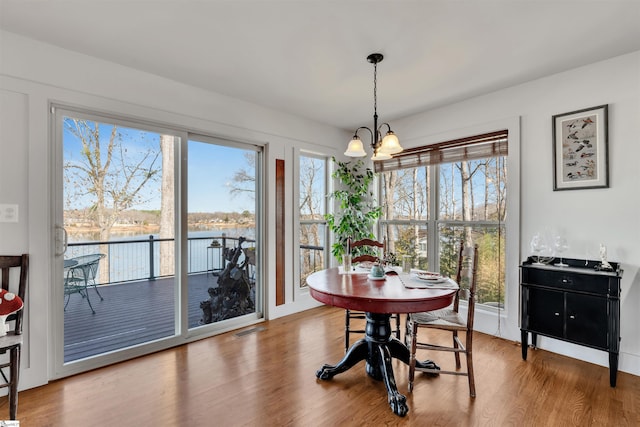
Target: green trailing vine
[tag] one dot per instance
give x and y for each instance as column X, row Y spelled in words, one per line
column 357, row 210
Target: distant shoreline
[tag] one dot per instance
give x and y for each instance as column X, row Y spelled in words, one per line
column 154, row 228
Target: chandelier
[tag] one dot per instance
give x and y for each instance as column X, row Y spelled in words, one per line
column 383, row 148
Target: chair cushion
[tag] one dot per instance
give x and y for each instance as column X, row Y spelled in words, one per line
column 446, row 318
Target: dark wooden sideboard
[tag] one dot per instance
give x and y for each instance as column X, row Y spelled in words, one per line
column 577, row 304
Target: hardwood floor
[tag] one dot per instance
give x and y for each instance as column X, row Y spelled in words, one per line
column 265, row 376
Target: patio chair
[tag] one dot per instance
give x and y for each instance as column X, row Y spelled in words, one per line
column 448, row 319
column 12, row 341
column 80, row 275
column 359, row 315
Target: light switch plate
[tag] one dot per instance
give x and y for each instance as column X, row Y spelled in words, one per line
column 8, row 213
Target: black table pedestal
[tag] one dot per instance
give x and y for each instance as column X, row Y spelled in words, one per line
column 377, row 348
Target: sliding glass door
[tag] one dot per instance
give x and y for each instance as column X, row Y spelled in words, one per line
column 157, row 238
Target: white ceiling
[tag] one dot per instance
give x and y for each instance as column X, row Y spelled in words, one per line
column 308, row 57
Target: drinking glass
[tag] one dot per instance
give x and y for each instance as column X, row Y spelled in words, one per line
column 561, row 245
column 537, row 246
column 346, row 263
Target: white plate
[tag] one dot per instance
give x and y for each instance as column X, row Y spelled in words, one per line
column 433, row 279
column 428, row 276
column 375, row 278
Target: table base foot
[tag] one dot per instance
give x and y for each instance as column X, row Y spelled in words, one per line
column 378, row 348
column 356, row 353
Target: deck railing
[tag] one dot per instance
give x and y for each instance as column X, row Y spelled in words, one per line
column 147, row 259
column 142, row 259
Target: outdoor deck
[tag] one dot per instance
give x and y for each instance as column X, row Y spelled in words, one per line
column 131, row 313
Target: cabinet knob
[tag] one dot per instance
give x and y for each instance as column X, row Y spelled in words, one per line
column 572, row 317
column 557, row 314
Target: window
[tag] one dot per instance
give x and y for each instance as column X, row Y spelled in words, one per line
column 436, row 195
column 312, row 207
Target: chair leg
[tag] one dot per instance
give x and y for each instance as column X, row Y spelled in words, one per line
column 472, row 382
column 86, row 291
column 346, row 331
column 97, row 291
column 406, row 331
column 455, row 345
column 14, row 370
column 413, row 330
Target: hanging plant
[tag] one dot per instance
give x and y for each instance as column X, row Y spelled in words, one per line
column 357, row 211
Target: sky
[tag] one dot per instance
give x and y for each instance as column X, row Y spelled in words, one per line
column 211, row 169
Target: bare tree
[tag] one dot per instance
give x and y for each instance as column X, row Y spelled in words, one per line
column 310, row 208
column 167, row 229
column 108, row 177
column 244, row 180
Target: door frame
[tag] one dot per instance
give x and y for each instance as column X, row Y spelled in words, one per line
column 58, row 369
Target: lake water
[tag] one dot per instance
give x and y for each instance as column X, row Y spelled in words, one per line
column 129, row 260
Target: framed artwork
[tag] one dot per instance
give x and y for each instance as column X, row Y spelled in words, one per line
column 580, row 149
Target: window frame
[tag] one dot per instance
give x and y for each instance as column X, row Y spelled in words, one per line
column 434, row 223
column 300, row 286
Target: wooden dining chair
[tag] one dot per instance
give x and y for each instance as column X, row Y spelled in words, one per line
column 369, row 256
column 13, row 266
column 450, row 320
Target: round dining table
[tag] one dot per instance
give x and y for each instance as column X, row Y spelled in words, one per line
column 378, row 298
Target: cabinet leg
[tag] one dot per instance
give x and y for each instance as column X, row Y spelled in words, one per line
column 613, row 368
column 525, row 343
column 534, row 340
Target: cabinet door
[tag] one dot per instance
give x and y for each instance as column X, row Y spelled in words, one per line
column 587, row 320
column 546, row 312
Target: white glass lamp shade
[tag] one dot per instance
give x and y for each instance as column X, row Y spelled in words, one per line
column 380, row 156
column 355, row 148
column 390, row 144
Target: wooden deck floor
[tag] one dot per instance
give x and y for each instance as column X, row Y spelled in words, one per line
column 131, row 313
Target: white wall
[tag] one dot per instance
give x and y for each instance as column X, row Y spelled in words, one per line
column 587, row 217
column 33, row 74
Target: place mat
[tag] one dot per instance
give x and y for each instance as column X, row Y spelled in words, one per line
column 356, row 270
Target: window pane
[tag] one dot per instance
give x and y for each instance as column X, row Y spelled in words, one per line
column 473, row 190
column 405, row 194
column 312, row 205
column 118, row 198
column 312, row 246
column 491, row 258
column 223, row 269
column 408, row 243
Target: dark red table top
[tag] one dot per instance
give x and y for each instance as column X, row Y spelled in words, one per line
column 358, row 292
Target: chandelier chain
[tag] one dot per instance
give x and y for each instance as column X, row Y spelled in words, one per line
column 375, row 89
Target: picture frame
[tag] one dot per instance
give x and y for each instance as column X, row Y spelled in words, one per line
column 580, row 149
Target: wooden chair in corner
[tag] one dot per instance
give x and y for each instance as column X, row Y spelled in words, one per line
column 359, row 315
column 448, row 320
column 12, row 341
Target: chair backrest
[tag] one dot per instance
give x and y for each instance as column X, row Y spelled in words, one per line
column 456, row 301
column 367, row 242
column 21, row 264
column 468, row 261
column 87, row 266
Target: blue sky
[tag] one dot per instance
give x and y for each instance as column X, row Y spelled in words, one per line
column 211, row 171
